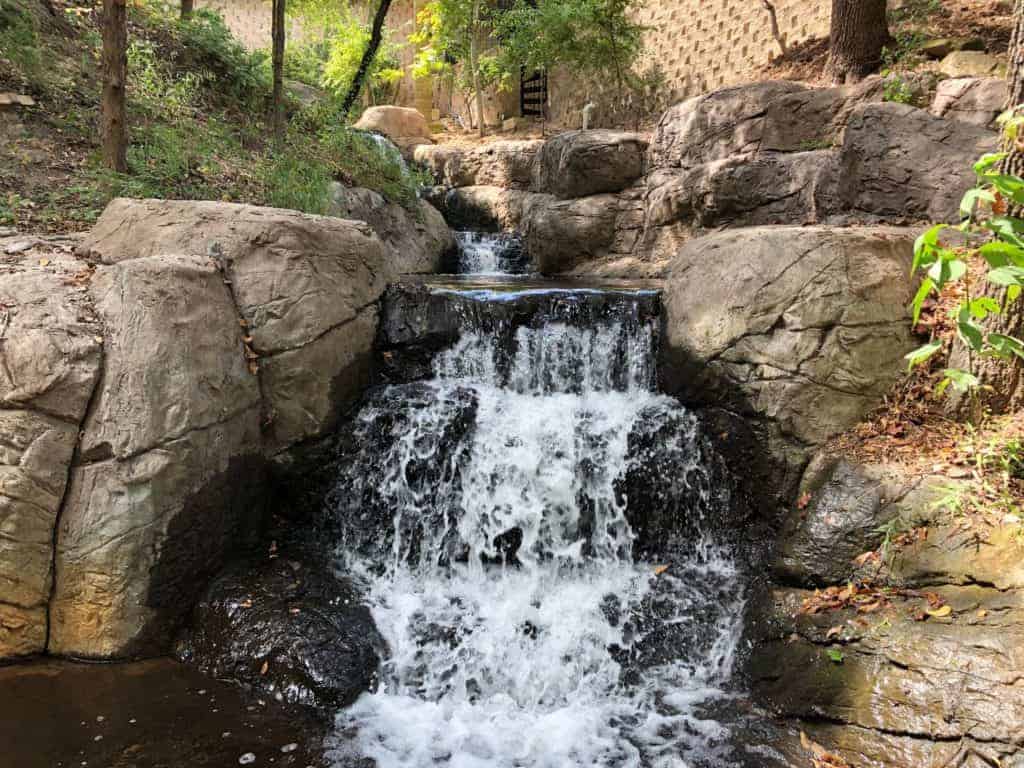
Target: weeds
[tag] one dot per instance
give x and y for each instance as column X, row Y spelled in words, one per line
column 19, row 42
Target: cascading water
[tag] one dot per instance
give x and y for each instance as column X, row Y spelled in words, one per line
column 484, row 253
column 511, row 521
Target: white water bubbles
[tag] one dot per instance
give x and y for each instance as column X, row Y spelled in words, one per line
column 522, row 630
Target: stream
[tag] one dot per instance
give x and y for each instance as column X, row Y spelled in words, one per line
column 534, row 528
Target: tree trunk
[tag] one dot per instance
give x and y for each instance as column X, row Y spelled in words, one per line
column 859, row 32
column 1004, row 379
column 278, row 40
column 115, row 69
column 474, row 60
column 187, row 6
column 376, row 35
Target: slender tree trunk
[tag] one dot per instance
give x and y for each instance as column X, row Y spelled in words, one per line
column 277, row 34
column 474, row 61
column 187, row 6
column 376, row 35
column 115, row 70
column 774, row 20
column 859, row 32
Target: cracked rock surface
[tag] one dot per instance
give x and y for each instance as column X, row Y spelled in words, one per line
column 144, row 386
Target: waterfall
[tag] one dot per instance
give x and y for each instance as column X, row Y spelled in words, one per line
column 533, row 528
column 484, row 253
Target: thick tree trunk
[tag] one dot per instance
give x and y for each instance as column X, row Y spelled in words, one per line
column 277, row 37
column 474, row 61
column 859, row 32
column 115, row 69
column 376, row 35
column 187, row 6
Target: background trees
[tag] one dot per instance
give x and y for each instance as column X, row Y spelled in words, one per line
column 113, row 128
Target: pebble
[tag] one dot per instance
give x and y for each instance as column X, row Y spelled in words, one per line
column 289, row 748
column 98, row 738
column 247, row 758
column 225, row 735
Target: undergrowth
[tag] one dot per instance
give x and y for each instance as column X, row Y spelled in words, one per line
column 198, row 102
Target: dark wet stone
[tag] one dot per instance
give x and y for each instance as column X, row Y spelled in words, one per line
column 288, row 628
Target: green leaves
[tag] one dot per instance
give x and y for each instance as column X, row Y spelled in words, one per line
column 922, row 354
column 927, row 285
column 947, row 270
column 962, row 381
column 1005, row 346
column 1007, row 276
column 1000, row 254
column 971, row 199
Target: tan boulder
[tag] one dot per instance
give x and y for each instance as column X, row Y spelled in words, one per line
column 405, row 126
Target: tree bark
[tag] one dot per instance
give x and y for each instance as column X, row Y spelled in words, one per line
column 114, row 129
column 474, row 60
column 774, row 20
column 277, row 34
column 376, row 36
column 859, row 32
column 1003, row 380
column 187, row 6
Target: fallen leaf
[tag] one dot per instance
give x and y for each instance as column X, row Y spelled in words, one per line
column 834, row 632
column 982, row 613
column 803, row 501
column 265, row 667
column 861, row 560
column 940, row 613
column 869, row 607
column 44, row 262
column 660, row 570
column 247, row 603
column 835, row 655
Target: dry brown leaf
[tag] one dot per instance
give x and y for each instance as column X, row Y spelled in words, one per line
column 940, row 613
column 264, row 668
column 834, row 632
column 803, row 501
column 660, row 570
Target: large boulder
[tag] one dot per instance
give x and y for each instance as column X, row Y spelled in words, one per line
column 305, row 286
column 563, row 234
column 232, row 333
column 582, row 163
column 716, row 126
column 802, row 330
column 845, row 506
column 166, row 481
column 972, row 64
column 484, row 208
column 405, row 126
column 50, row 352
column 509, row 164
column 973, row 100
column 288, row 628
column 812, row 119
column 418, row 238
column 436, row 159
column 901, row 163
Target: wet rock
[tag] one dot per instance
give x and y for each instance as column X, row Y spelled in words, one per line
column 800, row 329
column 50, row 353
column 288, row 628
column 912, row 691
column 582, row 163
column 360, row 506
column 486, row 209
column 847, row 505
column 972, row 100
column 405, row 126
column 417, row 240
column 898, row 162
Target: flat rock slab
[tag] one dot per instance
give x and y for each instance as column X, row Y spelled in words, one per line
column 150, row 714
column 581, row 163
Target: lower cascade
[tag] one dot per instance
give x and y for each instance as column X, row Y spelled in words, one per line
column 535, row 531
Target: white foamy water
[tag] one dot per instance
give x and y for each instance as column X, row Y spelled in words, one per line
column 483, row 253
column 572, row 653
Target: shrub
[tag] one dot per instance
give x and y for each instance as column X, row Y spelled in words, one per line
column 19, row 41
column 209, row 46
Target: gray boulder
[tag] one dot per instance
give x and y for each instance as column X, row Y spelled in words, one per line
column 814, row 119
column 161, row 490
column 901, row 163
column 436, row 159
column 972, row 100
column 581, row 163
column 847, row 504
column 562, row 234
column 508, row 164
column 50, row 352
column 716, row 126
column 802, row 330
column 417, row 239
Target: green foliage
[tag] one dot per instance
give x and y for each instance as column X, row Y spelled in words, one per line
column 835, row 655
column 19, row 41
column 596, row 36
column 915, row 11
column 988, row 233
column 295, row 180
column 363, row 161
column 896, row 89
column 155, row 89
column 345, row 52
column 903, row 50
column 209, row 47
